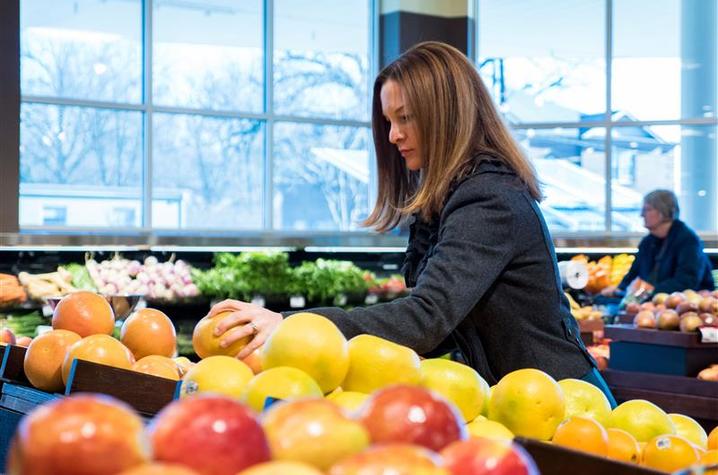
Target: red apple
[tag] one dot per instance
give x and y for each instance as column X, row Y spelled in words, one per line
column 481, row 456
column 659, row 298
column 313, row 431
column 674, row 299
column 394, row 459
column 648, row 306
column 214, row 435
column 706, row 305
column 690, row 322
column 668, row 320
column 685, row 307
column 632, row 308
column 413, row 415
column 96, row 433
column 7, row 337
column 708, row 319
column 645, row 319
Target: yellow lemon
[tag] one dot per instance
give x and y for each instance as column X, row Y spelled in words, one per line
column 375, row 363
column 283, row 383
column 458, row 383
column 217, row 374
column 311, row 343
column 529, row 403
column 585, row 399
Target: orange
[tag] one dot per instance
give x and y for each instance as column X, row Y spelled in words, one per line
column 312, row 343
column 458, row 383
column 101, row 349
column 44, row 358
column 254, row 360
column 669, row 453
column 529, row 403
column 205, row 343
column 160, row 469
column 284, row 383
column 217, row 374
column 622, row 446
column 584, row 434
column 281, row 466
column 149, row 332
column 710, row 458
column 157, row 365
column 375, row 363
column 85, row 313
column 713, row 439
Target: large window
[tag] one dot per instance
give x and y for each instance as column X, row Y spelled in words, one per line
column 611, row 99
column 221, row 115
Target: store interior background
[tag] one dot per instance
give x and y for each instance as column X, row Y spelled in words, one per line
column 246, row 123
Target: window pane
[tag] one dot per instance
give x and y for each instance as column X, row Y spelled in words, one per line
column 80, row 167
column 321, row 177
column 208, row 54
column 84, row 49
column 664, row 68
column 570, row 164
column 682, row 159
column 321, row 58
column 544, row 62
column 207, row 172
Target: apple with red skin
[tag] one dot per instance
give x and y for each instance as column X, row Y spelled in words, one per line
column 7, row 337
column 674, row 299
column 632, row 308
column 214, row 435
column 395, row 459
column 481, row 456
column 412, row 415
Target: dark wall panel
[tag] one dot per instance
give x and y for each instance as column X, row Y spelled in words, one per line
column 9, row 113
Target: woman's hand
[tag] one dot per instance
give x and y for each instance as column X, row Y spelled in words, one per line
column 245, row 320
column 609, row 291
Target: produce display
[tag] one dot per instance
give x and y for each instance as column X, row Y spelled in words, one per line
column 607, row 271
column 41, row 286
column 12, row 292
column 283, row 411
column 685, row 311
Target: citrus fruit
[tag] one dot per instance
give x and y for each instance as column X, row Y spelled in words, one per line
column 44, row 358
column 280, row 466
column 97, row 348
column 348, row 400
column 584, row 434
column 690, row 430
column 458, row 383
column 642, row 419
column 529, row 403
column 622, row 446
column 160, row 469
column 205, row 343
column 217, row 374
column 669, row 453
column 157, row 365
column 149, row 332
column 312, row 343
column 375, row 363
column 713, row 439
column 85, row 313
column 488, row 429
column 283, row 383
column 585, row 399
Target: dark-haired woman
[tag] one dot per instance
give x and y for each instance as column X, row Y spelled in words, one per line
column 480, row 259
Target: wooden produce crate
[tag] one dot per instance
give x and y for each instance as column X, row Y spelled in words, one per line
column 658, row 351
column 554, row 459
column 591, row 330
column 681, row 394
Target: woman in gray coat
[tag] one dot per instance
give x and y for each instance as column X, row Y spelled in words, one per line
column 480, row 259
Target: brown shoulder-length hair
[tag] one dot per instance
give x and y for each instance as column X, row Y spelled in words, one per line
column 455, row 121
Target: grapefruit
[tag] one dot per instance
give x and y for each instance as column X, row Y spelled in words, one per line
column 149, row 332
column 529, row 403
column 642, row 419
column 85, row 313
column 585, row 399
column 458, row 383
column 284, row 382
column 690, row 430
column 482, row 427
column 98, row 348
column 157, row 365
column 217, row 374
column 206, row 344
column 311, row 343
column 348, row 400
column 375, row 363
column 44, row 358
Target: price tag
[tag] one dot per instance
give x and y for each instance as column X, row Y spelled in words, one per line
column 709, row 334
column 258, row 300
column 297, row 301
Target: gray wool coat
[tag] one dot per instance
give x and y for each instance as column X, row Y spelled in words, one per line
column 485, row 281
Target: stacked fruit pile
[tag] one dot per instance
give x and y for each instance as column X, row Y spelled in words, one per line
column 607, row 271
column 334, row 406
column 685, row 311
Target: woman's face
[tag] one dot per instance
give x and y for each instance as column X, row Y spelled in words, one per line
column 402, row 131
